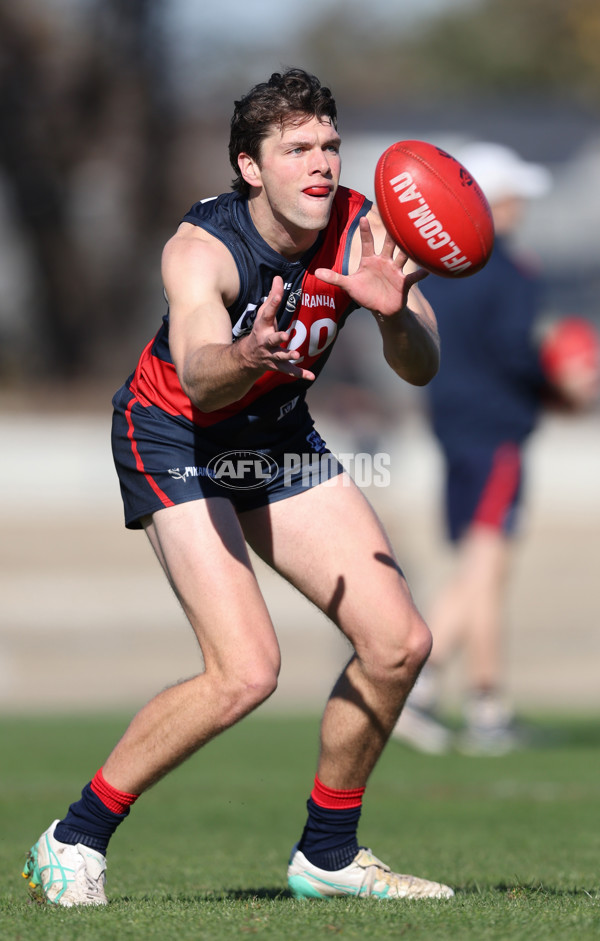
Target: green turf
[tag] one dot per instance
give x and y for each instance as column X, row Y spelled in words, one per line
column 203, row 854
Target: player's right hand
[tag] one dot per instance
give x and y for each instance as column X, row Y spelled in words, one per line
column 265, row 347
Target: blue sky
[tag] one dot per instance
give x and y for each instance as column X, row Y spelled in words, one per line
column 273, row 19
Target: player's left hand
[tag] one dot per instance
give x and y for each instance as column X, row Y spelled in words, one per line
column 380, row 283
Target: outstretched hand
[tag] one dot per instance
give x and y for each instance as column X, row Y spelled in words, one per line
column 266, row 345
column 380, row 283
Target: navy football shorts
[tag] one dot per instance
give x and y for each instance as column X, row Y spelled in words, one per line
column 165, row 460
column 483, row 487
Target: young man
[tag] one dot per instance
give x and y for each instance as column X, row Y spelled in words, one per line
column 215, row 449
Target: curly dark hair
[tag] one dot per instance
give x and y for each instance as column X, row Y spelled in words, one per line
column 285, row 97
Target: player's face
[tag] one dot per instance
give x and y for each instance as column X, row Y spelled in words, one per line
column 299, row 173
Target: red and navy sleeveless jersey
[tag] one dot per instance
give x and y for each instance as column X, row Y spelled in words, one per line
column 311, row 310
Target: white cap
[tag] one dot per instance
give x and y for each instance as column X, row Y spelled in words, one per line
column 502, row 173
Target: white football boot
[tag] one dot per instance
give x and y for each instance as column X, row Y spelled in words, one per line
column 490, row 727
column 423, row 731
column 365, row 876
column 63, row 874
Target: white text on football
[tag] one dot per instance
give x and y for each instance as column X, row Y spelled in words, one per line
column 430, row 228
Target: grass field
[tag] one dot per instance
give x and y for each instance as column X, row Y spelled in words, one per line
column 203, row 854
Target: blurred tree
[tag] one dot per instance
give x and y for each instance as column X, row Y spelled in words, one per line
column 34, row 156
column 85, row 132
column 540, row 46
column 499, row 47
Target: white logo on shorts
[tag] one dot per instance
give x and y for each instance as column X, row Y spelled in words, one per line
column 242, row 470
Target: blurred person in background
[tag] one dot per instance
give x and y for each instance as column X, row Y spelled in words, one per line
column 495, row 378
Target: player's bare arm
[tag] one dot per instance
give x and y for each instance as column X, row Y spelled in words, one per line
column 200, row 278
column 384, row 280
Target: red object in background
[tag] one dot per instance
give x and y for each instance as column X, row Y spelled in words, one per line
column 434, row 209
column 571, row 341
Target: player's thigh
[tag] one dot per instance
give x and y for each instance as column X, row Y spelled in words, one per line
column 202, row 549
column 330, row 544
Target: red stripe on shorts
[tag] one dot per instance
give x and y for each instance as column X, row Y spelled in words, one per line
column 501, row 487
column 138, row 460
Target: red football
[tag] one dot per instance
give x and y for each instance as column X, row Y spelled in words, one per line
column 433, row 208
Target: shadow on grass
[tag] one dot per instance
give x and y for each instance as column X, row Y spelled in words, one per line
column 512, row 891
column 532, row 734
column 548, row 734
column 248, row 895
column 223, row 895
column 519, row 890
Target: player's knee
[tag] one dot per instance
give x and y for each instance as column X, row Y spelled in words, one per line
column 247, row 689
column 405, row 651
column 420, row 642
column 259, row 687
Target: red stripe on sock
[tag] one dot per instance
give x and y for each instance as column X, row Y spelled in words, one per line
column 335, row 799
column 111, row 797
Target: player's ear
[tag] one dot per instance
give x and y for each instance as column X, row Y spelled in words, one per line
column 249, row 170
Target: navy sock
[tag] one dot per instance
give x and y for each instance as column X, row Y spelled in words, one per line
column 329, row 838
column 89, row 821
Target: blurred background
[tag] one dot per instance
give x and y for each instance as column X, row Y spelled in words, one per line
column 114, row 119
